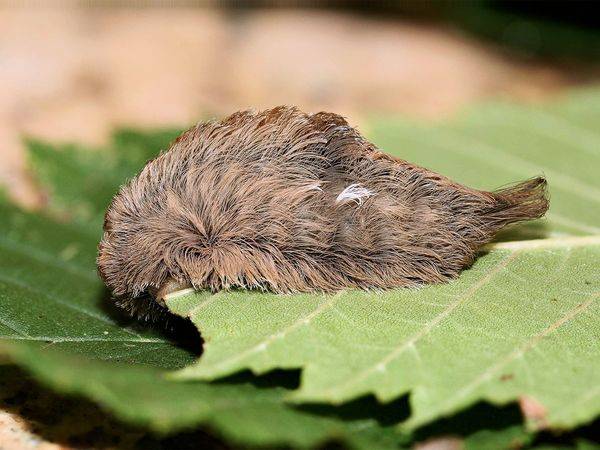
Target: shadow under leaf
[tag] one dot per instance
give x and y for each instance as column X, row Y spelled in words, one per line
column 286, row 379
column 75, row 422
column 177, row 330
column 366, row 407
column 537, row 229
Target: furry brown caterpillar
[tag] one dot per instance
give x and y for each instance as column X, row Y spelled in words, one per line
column 287, row 201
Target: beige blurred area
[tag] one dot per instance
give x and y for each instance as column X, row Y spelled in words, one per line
column 75, row 73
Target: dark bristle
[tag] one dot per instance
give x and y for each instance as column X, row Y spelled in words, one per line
column 526, row 200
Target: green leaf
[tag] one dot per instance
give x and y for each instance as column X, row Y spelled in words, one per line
column 56, row 322
column 50, row 293
column 242, row 412
column 82, row 181
column 523, row 321
column 497, row 144
column 519, row 323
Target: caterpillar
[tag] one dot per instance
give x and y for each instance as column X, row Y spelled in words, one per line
column 286, row 201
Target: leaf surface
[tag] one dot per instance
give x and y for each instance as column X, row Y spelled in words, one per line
column 56, row 322
column 50, row 293
column 521, row 324
column 82, row 181
column 516, row 326
column 494, row 145
column 242, row 412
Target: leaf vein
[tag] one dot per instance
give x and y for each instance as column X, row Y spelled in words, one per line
column 565, row 182
column 398, row 350
column 520, row 351
column 263, row 344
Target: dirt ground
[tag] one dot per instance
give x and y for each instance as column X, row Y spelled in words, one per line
column 74, row 74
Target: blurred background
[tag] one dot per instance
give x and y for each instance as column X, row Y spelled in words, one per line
column 73, row 70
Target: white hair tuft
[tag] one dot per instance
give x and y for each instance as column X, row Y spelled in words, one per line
column 354, row 192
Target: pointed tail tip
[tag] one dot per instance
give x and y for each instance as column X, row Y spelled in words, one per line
column 526, row 200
